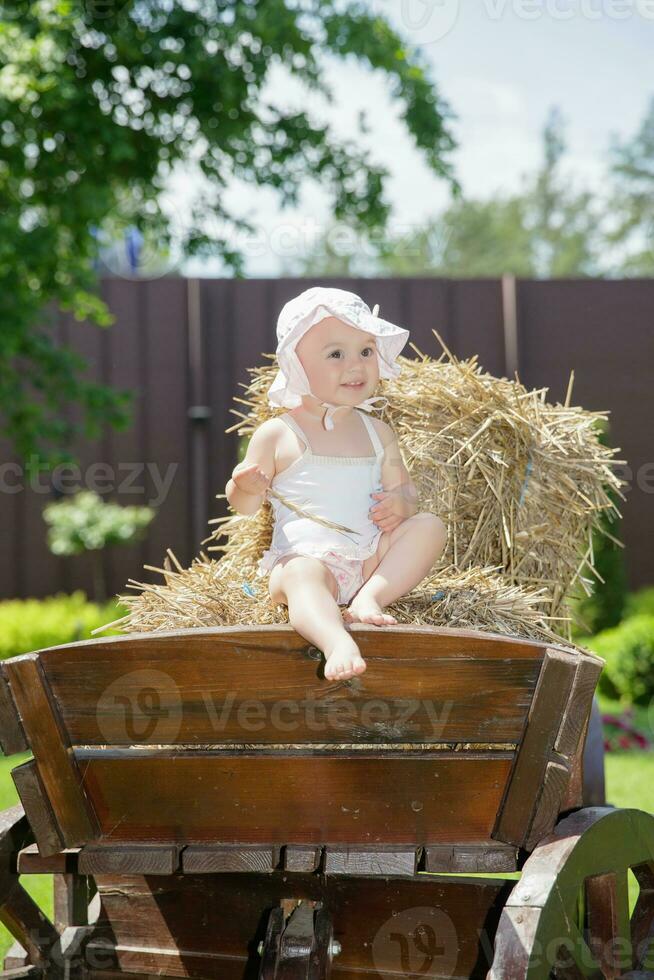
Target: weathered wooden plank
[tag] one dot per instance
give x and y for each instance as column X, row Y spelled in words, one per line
column 147, row 859
column 607, row 903
column 578, row 706
column 203, row 694
column 213, row 699
column 548, row 805
column 359, row 861
column 12, row 736
column 249, row 799
column 71, row 901
column 229, row 857
column 56, row 766
column 426, row 641
column 297, row 858
column 30, row 862
column 37, row 808
column 545, row 717
column 573, row 791
column 487, row 857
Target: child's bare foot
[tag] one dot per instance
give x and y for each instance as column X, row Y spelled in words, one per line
column 365, row 610
column 344, row 661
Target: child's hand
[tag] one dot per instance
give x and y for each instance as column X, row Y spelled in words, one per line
column 251, row 479
column 393, row 506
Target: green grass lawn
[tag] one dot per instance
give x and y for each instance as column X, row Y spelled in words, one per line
column 629, row 783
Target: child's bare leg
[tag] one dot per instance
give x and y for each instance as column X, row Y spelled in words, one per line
column 413, row 548
column 309, row 590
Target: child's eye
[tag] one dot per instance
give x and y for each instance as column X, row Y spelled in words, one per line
column 371, row 349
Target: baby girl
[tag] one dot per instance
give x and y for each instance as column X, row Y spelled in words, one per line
column 346, row 529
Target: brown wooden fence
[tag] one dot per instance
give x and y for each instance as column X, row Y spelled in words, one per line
column 185, row 345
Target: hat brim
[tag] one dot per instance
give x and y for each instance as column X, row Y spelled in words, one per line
column 291, row 378
column 393, row 338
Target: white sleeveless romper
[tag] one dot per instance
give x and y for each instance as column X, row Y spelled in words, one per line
column 338, row 489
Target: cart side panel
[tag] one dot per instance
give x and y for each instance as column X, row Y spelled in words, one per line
column 211, row 924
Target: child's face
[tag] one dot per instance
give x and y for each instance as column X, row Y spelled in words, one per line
column 334, row 354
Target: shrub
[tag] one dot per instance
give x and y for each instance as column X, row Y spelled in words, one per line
column 86, row 522
column 629, row 653
column 32, row 624
column 605, row 606
column 606, row 650
column 640, row 603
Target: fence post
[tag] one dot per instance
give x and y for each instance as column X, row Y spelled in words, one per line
column 198, row 413
column 510, row 325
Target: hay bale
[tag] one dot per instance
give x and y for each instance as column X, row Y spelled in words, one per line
column 520, row 483
column 227, row 593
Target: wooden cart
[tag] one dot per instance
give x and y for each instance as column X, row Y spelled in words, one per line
column 212, row 806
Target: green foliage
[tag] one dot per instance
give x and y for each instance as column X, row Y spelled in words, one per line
column 32, row 624
column 546, row 229
column 629, row 653
column 563, row 222
column 602, row 645
column 640, row 603
column 632, row 204
column 99, row 101
column 606, row 606
column 85, row 522
column 471, row 238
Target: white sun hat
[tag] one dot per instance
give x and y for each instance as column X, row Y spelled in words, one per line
column 310, row 307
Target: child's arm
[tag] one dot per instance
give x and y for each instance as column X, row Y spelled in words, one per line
column 250, row 478
column 399, row 498
column 395, row 476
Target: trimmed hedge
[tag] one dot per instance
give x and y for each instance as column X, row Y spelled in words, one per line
column 629, row 653
column 32, row 624
column 640, row 603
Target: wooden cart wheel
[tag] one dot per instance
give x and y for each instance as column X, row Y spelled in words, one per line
column 568, row 916
column 300, row 948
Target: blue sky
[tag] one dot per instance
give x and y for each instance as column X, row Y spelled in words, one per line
column 500, row 64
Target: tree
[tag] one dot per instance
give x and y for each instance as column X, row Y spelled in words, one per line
column 544, row 229
column 472, row 238
column 101, row 99
column 632, row 205
column 563, row 222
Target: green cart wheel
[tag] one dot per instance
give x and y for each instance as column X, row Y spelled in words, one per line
column 568, row 916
